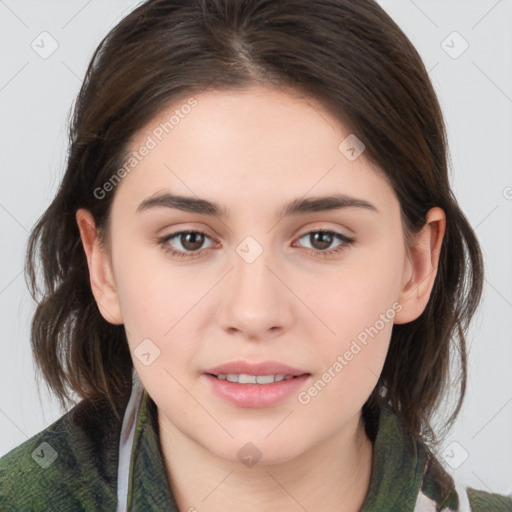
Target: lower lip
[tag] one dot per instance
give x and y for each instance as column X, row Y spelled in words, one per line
column 256, row 396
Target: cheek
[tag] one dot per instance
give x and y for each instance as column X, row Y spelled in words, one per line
column 154, row 297
column 358, row 303
column 170, row 306
column 147, row 288
column 356, row 294
column 351, row 359
column 157, row 307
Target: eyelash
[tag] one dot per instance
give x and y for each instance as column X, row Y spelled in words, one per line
column 163, row 242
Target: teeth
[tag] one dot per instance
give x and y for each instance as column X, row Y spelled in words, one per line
column 243, row 378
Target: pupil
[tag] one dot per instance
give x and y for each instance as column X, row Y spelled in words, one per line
column 323, row 240
column 192, row 241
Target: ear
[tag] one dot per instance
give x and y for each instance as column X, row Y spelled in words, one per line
column 100, row 269
column 421, row 268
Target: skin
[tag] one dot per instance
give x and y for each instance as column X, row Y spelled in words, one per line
column 252, row 151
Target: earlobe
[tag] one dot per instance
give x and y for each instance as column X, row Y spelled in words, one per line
column 420, row 270
column 100, row 270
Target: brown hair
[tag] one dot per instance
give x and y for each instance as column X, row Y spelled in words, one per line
column 349, row 55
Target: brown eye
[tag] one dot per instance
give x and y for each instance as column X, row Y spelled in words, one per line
column 185, row 244
column 192, row 241
column 321, row 239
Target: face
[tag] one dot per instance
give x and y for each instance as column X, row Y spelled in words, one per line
column 315, row 289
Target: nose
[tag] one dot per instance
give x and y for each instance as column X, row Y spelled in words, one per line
column 256, row 303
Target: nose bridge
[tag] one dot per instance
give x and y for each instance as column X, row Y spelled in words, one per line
column 251, row 269
column 256, row 301
column 253, row 279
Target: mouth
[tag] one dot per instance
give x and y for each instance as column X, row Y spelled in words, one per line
column 246, row 372
column 259, row 385
column 244, row 378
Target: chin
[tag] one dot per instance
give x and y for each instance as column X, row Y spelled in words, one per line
column 258, row 450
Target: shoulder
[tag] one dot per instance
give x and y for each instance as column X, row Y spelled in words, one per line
column 71, row 465
column 451, row 495
column 482, row 501
column 437, row 489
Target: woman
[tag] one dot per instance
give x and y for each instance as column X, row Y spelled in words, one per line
column 253, row 270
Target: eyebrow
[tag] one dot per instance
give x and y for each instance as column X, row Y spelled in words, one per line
column 298, row 206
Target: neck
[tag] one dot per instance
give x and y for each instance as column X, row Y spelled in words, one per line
column 331, row 476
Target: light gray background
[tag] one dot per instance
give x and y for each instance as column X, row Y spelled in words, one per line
column 475, row 91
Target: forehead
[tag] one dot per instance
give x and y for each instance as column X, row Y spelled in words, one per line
column 258, row 143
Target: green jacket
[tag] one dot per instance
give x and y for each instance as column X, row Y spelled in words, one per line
column 72, row 466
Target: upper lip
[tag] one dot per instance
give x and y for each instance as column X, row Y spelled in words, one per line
column 263, row 368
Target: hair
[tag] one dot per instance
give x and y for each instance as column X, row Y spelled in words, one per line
column 351, row 57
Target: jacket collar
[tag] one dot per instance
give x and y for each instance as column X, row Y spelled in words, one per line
column 397, row 477
column 148, row 488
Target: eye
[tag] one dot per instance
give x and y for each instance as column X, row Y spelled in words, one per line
column 323, row 239
column 190, row 241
